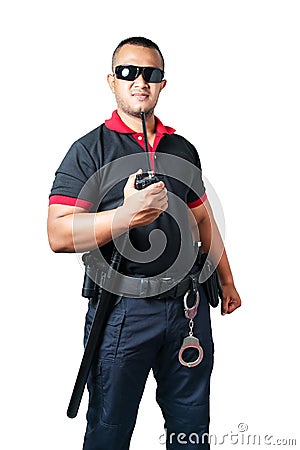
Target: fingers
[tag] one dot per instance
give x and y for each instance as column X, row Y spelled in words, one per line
column 156, row 187
column 229, row 305
column 231, row 299
column 147, row 204
column 224, row 307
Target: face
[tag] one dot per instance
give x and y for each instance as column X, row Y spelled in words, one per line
column 136, row 96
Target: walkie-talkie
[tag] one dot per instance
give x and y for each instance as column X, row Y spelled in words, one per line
column 144, row 179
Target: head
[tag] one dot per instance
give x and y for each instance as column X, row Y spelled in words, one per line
column 137, row 95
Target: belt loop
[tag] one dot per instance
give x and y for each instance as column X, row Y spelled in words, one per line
column 160, row 288
column 167, row 281
column 194, row 283
column 144, row 287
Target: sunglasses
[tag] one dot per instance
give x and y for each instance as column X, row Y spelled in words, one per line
column 130, row 73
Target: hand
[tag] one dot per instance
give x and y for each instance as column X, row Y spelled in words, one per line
column 231, row 299
column 145, row 205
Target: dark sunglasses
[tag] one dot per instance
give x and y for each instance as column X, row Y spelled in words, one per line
column 130, row 73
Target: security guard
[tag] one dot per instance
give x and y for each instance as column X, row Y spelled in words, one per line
column 143, row 332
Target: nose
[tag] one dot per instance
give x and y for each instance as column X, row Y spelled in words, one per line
column 139, row 81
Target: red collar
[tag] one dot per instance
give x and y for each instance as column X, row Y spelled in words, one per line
column 115, row 123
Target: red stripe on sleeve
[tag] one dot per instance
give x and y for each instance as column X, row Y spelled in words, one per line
column 70, row 201
column 198, row 202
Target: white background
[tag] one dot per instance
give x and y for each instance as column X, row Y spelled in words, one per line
column 233, row 90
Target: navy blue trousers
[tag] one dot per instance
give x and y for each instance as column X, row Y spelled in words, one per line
column 145, row 334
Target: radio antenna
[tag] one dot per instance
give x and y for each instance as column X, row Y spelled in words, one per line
column 148, row 177
column 143, row 116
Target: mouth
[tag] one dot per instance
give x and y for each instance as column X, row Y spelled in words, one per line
column 141, row 96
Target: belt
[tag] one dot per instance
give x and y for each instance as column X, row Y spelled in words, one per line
column 145, row 287
column 152, row 288
column 182, row 287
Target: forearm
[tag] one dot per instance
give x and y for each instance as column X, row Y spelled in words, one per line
column 74, row 229
column 85, row 231
column 212, row 243
column 204, row 227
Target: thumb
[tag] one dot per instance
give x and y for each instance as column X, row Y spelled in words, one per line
column 131, row 178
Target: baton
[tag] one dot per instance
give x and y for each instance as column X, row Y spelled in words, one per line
column 103, row 310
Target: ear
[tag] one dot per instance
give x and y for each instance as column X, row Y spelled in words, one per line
column 111, row 82
column 163, row 84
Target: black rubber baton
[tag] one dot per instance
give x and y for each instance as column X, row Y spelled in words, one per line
column 103, row 310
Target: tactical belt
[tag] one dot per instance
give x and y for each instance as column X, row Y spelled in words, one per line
column 203, row 272
column 148, row 287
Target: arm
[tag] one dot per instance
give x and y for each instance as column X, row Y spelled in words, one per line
column 71, row 228
column 212, row 242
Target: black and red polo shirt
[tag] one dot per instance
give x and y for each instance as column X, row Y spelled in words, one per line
column 95, row 170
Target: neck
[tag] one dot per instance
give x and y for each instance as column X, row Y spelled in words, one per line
column 135, row 122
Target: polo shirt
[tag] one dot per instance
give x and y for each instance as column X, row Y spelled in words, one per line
column 88, row 178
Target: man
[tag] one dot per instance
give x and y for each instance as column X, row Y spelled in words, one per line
column 143, row 333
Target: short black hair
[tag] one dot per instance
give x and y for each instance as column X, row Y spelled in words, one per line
column 140, row 41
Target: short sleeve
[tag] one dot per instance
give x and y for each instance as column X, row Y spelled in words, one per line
column 196, row 195
column 74, row 178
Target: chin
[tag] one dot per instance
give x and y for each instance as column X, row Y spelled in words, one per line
column 137, row 111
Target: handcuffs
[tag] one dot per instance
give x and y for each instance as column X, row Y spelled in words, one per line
column 191, row 341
